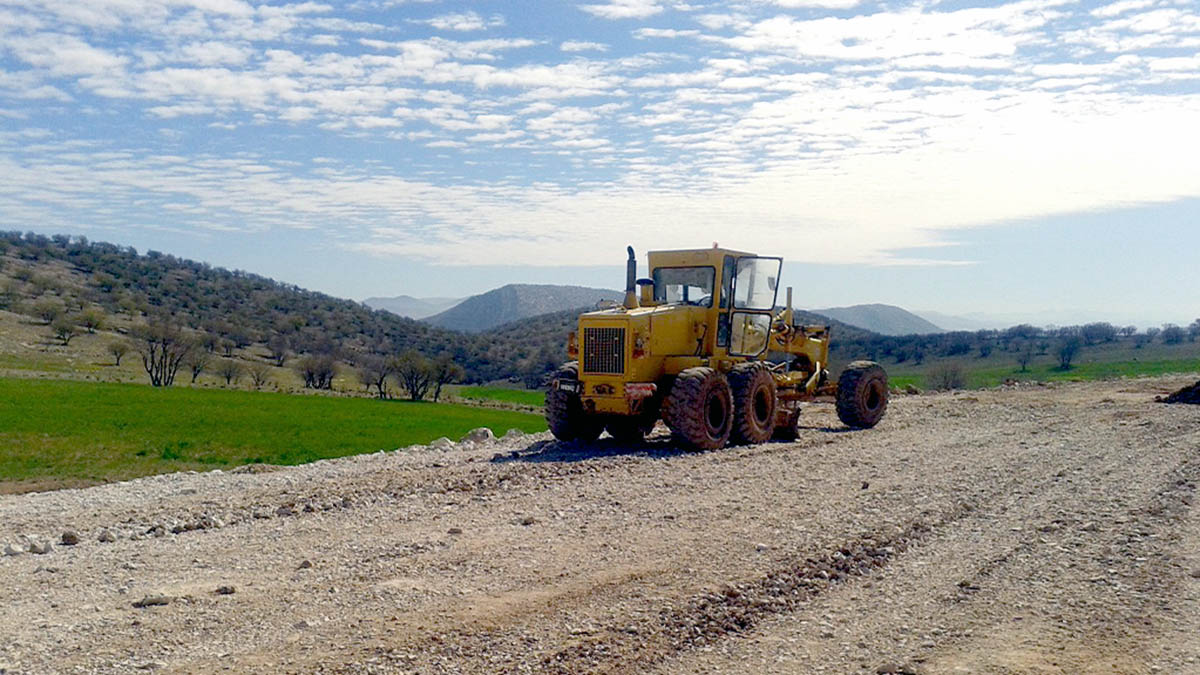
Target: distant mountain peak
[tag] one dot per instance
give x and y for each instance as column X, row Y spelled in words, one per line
column 880, row 318
column 518, row 301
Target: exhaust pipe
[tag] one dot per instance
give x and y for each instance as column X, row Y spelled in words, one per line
column 631, row 299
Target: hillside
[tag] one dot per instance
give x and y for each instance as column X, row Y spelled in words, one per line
column 882, row 319
column 518, row 301
column 413, row 308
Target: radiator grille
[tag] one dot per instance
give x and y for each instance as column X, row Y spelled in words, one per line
column 604, row 350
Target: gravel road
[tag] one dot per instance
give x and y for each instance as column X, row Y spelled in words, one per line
column 1044, row 529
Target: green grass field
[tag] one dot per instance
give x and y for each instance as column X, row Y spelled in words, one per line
column 84, row 432
column 503, row 395
column 1094, row 363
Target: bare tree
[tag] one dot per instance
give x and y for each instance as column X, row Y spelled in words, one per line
column 118, row 349
column 1172, row 334
column 260, row 374
column 317, row 371
column 415, row 373
column 197, row 361
column 163, row 347
column 64, row 328
column 374, row 372
column 230, row 370
column 278, row 345
column 445, row 371
column 1068, row 349
column 1025, row 355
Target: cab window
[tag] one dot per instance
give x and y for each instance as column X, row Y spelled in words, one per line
column 684, row 285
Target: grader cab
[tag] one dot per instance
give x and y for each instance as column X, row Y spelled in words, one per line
column 703, row 348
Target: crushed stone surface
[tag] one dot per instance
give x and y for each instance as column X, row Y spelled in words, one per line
column 1048, row 529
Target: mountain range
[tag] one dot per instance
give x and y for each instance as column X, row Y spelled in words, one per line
column 518, row 301
column 883, row 319
column 413, row 308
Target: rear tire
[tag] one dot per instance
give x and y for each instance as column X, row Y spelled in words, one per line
column 753, row 403
column 564, row 410
column 862, row 394
column 699, row 409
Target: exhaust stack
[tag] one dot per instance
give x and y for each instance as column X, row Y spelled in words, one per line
column 631, row 299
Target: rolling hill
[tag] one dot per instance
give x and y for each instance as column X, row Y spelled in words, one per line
column 518, row 301
column 882, row 319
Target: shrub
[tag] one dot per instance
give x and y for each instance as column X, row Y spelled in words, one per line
column 946, row 376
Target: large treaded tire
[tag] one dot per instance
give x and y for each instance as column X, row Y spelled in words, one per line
column 753, row 403
column 862, row 394
column 564, row 410
column 699, row 409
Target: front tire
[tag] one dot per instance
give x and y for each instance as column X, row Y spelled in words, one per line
column 564, row 410
column 699, row 409
column 753, row 403
column 862, row 394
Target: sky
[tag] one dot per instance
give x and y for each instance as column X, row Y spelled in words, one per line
column 1037, row 158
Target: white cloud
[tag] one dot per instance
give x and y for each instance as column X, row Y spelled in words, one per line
column 582, row 46
column 625, row 9
column 817, row 4
column 464, row 22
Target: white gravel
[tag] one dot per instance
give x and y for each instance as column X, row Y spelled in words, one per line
column 1031, row 529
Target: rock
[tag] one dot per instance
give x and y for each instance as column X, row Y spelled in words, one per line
column 285, row 511
column 512, row 433
column 40, row 548
column 454, row 530
column 910, row 389
column 442, row 443
column 304, row 565
column 528, row 520
column 226, row 590
column 152, row 601
column 13, row 549
column 69, row 538
column 107, row 537
column 480, row 435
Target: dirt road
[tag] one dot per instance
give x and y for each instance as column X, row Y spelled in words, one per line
column 1034, row 529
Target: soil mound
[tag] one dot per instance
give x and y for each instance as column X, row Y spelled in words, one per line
column 1186, row 395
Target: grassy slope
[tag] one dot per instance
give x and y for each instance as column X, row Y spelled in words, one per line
column 100, row 431
column 503, row 395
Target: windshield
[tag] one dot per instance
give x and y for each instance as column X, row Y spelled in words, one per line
column 687, row 285
column 756, row 283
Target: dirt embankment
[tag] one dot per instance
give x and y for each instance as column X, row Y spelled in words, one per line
column 1035, row 529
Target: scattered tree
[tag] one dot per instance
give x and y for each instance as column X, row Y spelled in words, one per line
column 1025, row 355
column 374, row 372
column 1094, row 333
column 1172, row 334
column 92, row 319
column 260, row 374
column 163, row 347
column 64, row 328
column 118, row 349
column 278, row 345
column 48, row 309
column 1194, row 330
column 415, row 373
column 196, row 362
column 230, row 370
column 1068, row 349
column 317, row 371
column 445, row 371
column 1128, row 331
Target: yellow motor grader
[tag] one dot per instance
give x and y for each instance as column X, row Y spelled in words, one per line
column 702, row 348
